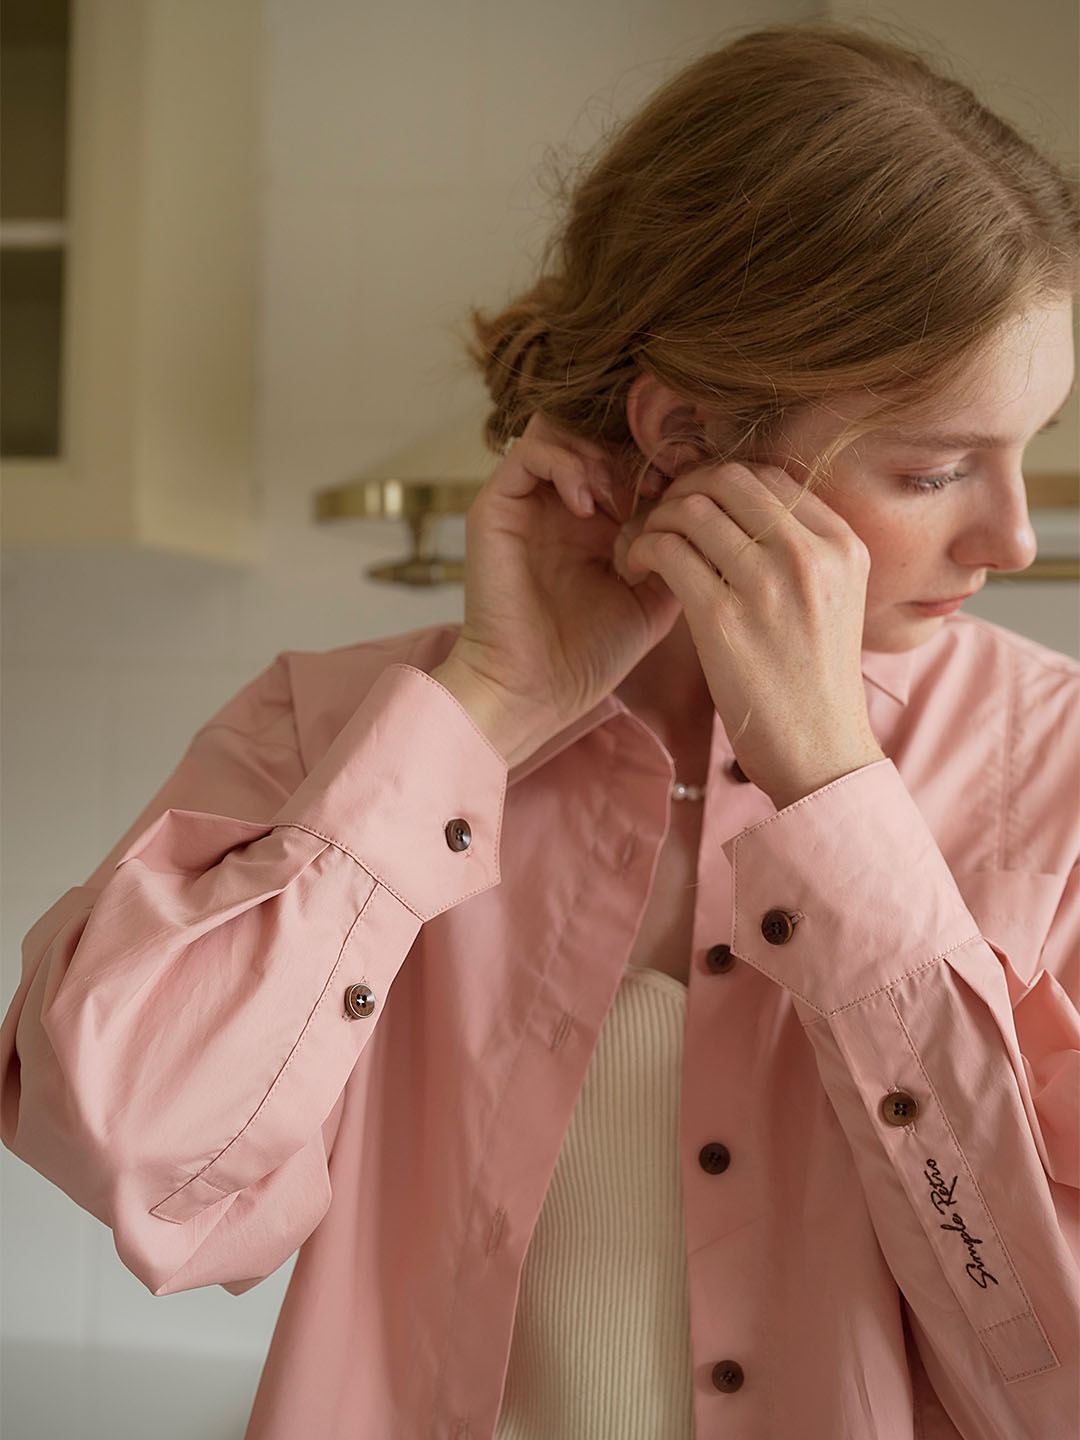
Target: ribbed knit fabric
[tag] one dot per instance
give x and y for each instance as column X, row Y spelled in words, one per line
column 601, row 1345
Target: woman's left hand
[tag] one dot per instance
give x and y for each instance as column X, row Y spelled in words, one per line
column 775, row 601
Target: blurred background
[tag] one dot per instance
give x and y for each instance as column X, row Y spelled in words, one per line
column 238, row 242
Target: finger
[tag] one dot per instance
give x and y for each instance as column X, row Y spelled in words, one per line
column 762, row 499
column 599, row 479
column 682, row 567
column 532, row 464
column 620, row 551
column 706, row 525
column 804, row 502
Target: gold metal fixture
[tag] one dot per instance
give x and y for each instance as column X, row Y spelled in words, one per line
column 439, row 474
column 1043, row 567
column 406, row 488
column 421, row 504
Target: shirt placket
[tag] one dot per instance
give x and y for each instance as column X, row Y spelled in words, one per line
column 722, row 1187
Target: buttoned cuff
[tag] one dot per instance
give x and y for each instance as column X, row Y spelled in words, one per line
column 413, row 791
column 867, row 895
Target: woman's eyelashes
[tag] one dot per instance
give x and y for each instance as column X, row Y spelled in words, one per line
column 922, row 484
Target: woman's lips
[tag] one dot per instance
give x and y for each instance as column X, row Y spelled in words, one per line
column 940, row 607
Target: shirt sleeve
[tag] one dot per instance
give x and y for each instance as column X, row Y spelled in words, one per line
column 956, row 1084
column 187, row 1020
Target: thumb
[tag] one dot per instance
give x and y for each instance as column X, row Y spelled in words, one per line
column 620, row 554
column 659, row 605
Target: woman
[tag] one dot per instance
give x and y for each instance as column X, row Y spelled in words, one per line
column 718, row 1074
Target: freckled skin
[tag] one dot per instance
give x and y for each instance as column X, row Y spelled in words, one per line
column 939, row 544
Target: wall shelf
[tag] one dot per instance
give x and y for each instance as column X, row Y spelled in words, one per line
column 129, row 295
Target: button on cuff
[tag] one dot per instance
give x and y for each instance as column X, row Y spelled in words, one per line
column 408, row 760
column 359, row 1002
column 778, row 926
column 899, row 1108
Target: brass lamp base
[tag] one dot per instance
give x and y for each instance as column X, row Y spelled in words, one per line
column 421, row 504
column 414, row 571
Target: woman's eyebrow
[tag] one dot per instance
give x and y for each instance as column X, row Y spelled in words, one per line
column 962, row 439
column 926, row 440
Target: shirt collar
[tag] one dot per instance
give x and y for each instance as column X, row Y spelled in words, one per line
column 890, row 673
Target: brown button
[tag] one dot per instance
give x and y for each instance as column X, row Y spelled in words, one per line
column 778, row 927
column 359, row 1001
column 719, row 959
column 738, row 773
column 458, row 834
column 727, row 1375
column 714, row 1158
column 899, row 1108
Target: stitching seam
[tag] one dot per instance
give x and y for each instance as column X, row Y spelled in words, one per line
column 1006, row 775
column 375, row 879
column 201, row 1174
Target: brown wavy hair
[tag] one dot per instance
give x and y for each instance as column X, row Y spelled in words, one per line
column 807, row 211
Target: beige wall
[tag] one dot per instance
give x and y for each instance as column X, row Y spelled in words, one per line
column 403, row 148
column 1024, row 61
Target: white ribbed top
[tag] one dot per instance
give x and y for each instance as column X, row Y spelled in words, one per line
column 601, row 1343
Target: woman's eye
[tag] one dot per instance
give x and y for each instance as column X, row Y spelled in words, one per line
column 923, row 483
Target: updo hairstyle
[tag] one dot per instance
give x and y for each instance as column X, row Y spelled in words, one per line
column 804, row 212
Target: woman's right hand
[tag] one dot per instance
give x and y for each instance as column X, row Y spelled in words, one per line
column 550, row 628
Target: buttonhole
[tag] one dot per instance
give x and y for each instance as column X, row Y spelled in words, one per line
column 495, row 1233
column 562, row 1031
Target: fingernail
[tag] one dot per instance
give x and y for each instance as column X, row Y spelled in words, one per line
column 585, row 500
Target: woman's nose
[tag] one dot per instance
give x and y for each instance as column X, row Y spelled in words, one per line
column 999, row 536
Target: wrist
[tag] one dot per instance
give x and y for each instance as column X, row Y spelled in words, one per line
column 511, row 727
column 813, row 777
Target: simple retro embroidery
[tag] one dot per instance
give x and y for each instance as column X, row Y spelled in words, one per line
column 941, row 1197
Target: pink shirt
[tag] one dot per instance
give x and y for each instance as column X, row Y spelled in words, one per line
column 891, row 1248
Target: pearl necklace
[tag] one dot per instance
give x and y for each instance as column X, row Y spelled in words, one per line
column 679, row 791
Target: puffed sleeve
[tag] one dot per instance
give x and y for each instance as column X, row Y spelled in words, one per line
column 186, row 1020
column 955, row 1082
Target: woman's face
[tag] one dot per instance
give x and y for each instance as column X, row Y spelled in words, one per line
column 938, row 497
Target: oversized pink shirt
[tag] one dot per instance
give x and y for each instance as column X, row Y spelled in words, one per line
column 891, row 1251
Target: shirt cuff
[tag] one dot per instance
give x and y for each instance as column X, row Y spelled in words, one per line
column 867, row 895
column 413, row 791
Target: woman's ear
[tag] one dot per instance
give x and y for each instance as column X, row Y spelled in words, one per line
column 668, row 430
